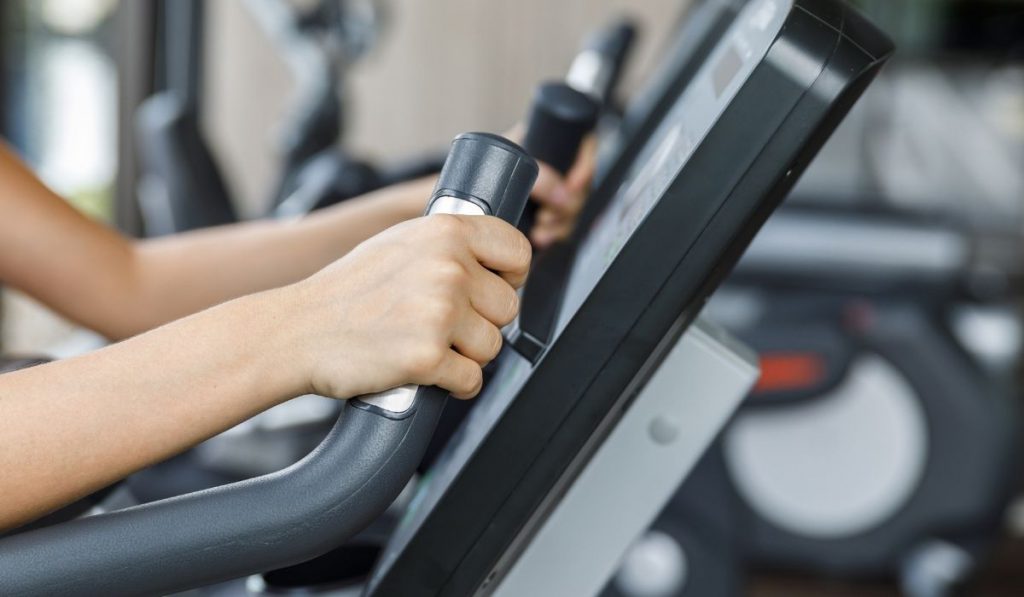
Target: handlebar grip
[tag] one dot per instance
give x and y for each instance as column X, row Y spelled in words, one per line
column 560, row 117
column 484, row 175
column 596, row 70
column 287, row 517
column 489, row 171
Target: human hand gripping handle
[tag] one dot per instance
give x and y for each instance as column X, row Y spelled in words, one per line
column 485, row 175
column 560, row 118
column 286, row 517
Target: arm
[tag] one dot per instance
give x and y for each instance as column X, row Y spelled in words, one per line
column 100, row 279
column 71, row 427
column 420, row 303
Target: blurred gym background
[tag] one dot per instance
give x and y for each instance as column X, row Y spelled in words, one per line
column 942, row 137
column 75, row 69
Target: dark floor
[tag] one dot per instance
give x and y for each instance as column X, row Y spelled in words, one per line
column 1003, row 576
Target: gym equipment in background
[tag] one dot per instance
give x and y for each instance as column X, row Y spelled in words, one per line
column 881, row 353
column 180, row 187
column 883, row 440
column 320, row 45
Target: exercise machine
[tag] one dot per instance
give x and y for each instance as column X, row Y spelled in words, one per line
column 181, row 186
column 320, row 45
column 882, row 440
column 489, row 517
column 470, row 528
column 561, row 114
column 878, row 444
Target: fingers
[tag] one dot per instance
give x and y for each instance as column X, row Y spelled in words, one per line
column 550, row 227
column 552, row 192
column 460, row 375
column 516, row 133
column 499, row 247
column 492, row 297
column 477, row 339
column 581, row 174
column 549, row 187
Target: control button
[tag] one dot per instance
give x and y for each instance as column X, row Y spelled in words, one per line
column 664, row 430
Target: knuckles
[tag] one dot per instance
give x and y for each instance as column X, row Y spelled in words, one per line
column 450, row 274
column 444, row 227
column 424, row 360
column 439, row 315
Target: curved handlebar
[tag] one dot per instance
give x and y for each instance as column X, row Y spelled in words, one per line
column 218, row 534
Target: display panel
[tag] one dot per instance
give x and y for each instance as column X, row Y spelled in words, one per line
column 666, row 153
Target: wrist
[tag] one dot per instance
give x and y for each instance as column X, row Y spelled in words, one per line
column 272, row 342
column 413, row 196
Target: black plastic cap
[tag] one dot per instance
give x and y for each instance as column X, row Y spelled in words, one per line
column 614, row 41
column 490, row 171
column 559, row 119
column 614, row 44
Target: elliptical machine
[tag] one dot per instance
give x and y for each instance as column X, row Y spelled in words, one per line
column 320, row 45
column 182, row 187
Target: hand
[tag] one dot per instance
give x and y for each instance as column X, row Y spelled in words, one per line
column 560, row 198
column 422, row 303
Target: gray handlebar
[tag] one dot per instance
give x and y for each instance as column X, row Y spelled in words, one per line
column 279, row 519
column 252, row 526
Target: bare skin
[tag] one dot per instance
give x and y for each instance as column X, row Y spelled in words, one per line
column 418, row 302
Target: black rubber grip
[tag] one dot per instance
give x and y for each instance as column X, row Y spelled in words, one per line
column 614, row 44
column 559, row 119
column 276, row 520
column 490, row 171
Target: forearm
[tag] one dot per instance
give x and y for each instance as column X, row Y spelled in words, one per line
column 72, row 427
column 185, row 273
column 98, row 278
